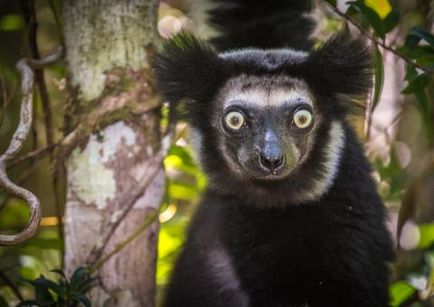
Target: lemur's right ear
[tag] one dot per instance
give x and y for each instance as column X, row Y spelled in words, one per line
column 188, row 70
column 343, row 65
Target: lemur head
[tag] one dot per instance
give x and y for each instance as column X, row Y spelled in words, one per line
column 266, row 121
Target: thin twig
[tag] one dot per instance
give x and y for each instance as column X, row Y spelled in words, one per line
column 4, row 93
column 120, row 246
column 20, row 181
column 59, row 26
column 30, row 15
column 12, row 286
column 28, row 8
column 3, row 99
column 24, row 66
column 380, row 43
column 16, row 144
column 37, row 154
column 49, row 59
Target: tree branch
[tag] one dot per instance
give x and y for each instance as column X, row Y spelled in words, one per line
column 16, row 144
column 59, row 26
column 37, row 154
column 380, row 43
column 3, row 98
column 11, row 285
column 90, row 123
column 24, row 66
column 30, row 16
column 120, row 246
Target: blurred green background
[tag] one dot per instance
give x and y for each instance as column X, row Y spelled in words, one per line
column 398, row 130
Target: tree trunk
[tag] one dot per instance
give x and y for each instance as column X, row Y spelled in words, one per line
column 108, row 45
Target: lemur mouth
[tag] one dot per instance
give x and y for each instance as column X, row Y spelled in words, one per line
column 270, row 175
column 273, row 177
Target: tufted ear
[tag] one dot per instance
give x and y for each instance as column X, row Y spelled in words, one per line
column 342, row 66
column 188, row 70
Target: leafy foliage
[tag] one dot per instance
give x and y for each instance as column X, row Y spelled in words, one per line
column 375, row 19
column 64, row 292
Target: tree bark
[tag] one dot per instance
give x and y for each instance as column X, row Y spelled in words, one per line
column 108, row 46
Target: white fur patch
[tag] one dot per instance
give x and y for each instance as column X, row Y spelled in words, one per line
column 293, row 54
column 276, row 97
column 196, row 139
column 265, row 91
column 333, row 152
column 225, row 275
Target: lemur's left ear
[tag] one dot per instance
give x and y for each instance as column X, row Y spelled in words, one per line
column 187, row 70
column 342, row 66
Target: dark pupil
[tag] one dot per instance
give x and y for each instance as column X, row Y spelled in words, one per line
column 235, row 120
column 302, row 119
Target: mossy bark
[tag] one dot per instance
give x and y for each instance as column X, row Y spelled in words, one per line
column 108, row 47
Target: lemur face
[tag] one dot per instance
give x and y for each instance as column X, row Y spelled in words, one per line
column 265, row 125
column 266, row 121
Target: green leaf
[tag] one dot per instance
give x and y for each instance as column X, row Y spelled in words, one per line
column 417, row 51
column 422, row 35
column 27, row 273
column 42, row 294
column 381, row 7
column 88, row 284
column 426, row 235
column 11, row 22
column 391, row 20
column 59, row 272
column 371, row 16
column 56, row 288
column 182, row 191
column 84, row 300
column 183, row 153
column 411, row 41
column 426, row 60
column 417, row 84
column 46, row 243
column 78, row 277
column 62, row 274
column 399, row 292
column 379, row 76
column 332, row 2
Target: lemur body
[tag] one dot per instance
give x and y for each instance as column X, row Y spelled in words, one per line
column 291, row 216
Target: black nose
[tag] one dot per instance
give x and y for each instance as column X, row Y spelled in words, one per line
column 271, row 162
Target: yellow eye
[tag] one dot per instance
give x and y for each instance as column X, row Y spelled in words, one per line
column 234, row 120
column 303, row 118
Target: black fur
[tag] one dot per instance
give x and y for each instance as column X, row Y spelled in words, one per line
column 331, row 251
column 262, row 24
column 191, row 70
column 326, row 253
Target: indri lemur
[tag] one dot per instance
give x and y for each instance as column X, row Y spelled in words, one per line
column 291, row 216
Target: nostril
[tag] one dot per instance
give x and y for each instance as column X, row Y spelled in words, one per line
column 271, row 163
